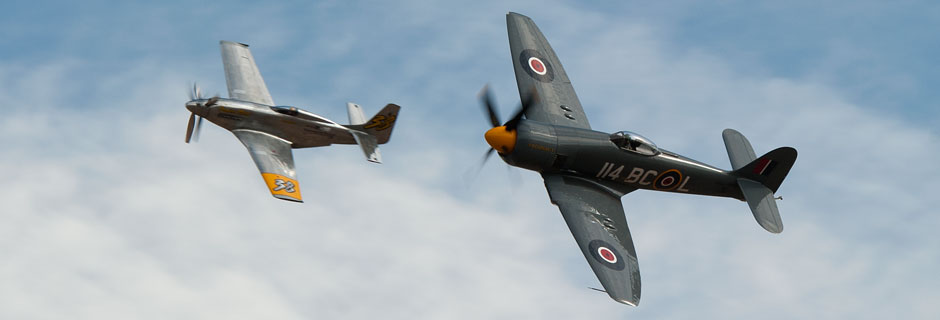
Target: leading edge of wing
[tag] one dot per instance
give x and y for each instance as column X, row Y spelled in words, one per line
column 538, row 68
column 273, row 157
column 596, row 220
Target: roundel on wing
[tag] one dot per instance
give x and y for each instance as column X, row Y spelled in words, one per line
column 536, row 65
column 606, row 254
column 667, row 180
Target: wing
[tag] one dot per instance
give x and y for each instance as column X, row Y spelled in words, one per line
column 537, row 68
column 595, row 217
column 241, row 74
column 273, row 157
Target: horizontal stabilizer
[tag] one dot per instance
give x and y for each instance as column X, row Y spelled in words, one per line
column 739, row 149
column 762, row 203
column 369, row 146
column 356, row 115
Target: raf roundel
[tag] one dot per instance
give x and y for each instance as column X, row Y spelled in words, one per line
column 668, row 180
column 605, row 253
column 536, row 65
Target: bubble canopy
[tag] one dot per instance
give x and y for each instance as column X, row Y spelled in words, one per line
column 634, row 142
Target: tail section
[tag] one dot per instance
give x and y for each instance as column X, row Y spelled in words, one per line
column 380, row 125
column 759, row 178
column 377, row 130
column 369, row 146
column 355, row 114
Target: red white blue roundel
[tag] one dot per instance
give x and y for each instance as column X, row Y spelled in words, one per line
column 605, row 253
column 536, row 65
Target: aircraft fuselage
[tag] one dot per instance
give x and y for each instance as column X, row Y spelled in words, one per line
column 303, row 129
column 592, row 155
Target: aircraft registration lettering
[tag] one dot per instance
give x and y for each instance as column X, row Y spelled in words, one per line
column 634, row 175
column 646, row 176
column 607, row 172
column 668, row 180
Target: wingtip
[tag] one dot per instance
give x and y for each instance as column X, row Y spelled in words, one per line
column 516, row 14
column 628, row 302
column 282, row 197
column 775, row 229
column 234, row 43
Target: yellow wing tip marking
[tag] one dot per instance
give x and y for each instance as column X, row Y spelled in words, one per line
column 282, row 187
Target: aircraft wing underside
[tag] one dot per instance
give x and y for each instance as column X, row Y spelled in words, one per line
column 242, row 75
column 275, row 161
column 538, row 68
column 595, row 217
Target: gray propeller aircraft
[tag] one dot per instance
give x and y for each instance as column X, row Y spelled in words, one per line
column 586, row 172
column 270, row 131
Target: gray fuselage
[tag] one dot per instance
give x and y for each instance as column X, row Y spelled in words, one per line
column 592, row 155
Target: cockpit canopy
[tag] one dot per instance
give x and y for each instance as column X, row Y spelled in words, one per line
column 291, row 111
column 633, row 142
column 300, row 113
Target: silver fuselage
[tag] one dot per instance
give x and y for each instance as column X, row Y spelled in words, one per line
column 302, row 128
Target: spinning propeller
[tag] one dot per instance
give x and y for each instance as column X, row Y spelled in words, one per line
column 502, row 138
column 195, row 97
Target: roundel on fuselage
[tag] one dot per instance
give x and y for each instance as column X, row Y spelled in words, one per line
column 667, row 180
column 536, row 65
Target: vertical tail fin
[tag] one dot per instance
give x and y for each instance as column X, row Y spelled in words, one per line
column 381, row 124
column 759, row 178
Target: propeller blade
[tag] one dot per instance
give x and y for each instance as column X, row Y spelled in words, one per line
column 489, row 106
column 473, row 172
column 486, row 156
column 526, row 103
column 196, row 133
column 189, row 127
column 196, row 91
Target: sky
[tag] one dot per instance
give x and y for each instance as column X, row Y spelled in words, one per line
column 106, row 214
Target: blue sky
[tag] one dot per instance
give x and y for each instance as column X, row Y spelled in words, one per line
column 108, row 214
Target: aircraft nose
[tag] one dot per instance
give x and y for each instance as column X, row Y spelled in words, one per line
column 501, row 139
column 191, row 106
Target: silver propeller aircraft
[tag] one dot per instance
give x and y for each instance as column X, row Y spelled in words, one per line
column 586, row 172
column 270, row 131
